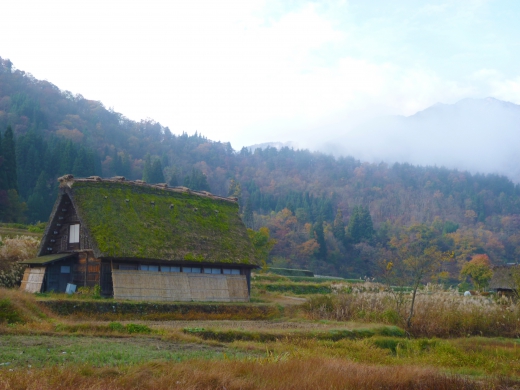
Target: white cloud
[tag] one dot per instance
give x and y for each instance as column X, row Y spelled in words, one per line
column 257, row 71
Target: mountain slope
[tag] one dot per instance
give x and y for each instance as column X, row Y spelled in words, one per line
column 332, row 215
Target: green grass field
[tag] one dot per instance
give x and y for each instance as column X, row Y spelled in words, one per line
column 344, row 340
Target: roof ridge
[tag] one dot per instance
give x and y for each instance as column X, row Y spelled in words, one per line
column 68, row 180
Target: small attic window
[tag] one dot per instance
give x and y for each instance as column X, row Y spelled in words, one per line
column 154, row 268
column 232, row 271
column 212, row 271
column 74, row 234
column 192, row 270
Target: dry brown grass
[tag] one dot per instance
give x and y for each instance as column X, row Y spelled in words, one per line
column 260, row 374
column 437, row 313
column 21, row 308
column 13, row 250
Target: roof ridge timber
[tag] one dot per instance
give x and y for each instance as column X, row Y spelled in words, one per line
column 69, row 180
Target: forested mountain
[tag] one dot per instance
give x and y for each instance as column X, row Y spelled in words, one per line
column 333, row 215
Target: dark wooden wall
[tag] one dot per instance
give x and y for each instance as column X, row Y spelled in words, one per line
column 57, row 240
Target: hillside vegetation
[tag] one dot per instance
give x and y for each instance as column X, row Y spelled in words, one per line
column 335, row 216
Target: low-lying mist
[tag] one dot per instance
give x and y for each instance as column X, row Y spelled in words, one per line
column 478, row 135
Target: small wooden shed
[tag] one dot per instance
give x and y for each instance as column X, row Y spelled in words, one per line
column 143, row 242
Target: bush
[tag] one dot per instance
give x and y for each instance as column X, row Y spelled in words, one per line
column 137, row 328
column 12, row 251
column 8, row 312
column 228, row 336
column 116, row 327
column 89, row 292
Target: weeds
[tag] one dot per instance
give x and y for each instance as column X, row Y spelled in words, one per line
column 111, row 310
column 437, row 314
column 8, row 313
column 20, row 308
column 74, row 352
column 100, row 329
column 229, row 336
column 272, row 372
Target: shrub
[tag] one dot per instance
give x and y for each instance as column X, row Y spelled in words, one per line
column 12, row 251
column 116, row 327
column 8, row 312
column 137, row 328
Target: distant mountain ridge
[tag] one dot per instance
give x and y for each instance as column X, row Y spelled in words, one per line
column 276, row 145
column 479, row 135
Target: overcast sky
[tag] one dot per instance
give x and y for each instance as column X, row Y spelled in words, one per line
column 257, row 71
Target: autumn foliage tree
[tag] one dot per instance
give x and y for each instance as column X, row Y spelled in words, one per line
column 478, row 269
column 262, row 243
column 416, row 259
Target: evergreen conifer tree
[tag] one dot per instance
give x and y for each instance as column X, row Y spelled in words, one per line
column 338, row 228
column 9, row 154
column 248, row 214
column 147, row 170
column 81, row 164
column 3, row 174
column 67, row 157
column 197, row 181
column 39, row 204
column 16, row 208
column 156, row 172
column 360, row 227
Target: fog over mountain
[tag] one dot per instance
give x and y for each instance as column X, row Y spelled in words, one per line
column 479, row 135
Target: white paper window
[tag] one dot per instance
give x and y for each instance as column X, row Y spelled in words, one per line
column 74, row 234
column 65, row 269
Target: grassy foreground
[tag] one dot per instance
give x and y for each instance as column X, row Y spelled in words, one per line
column 348, row 340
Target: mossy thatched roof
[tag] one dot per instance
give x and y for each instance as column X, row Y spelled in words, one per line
column 139, row 221
column 503, row 277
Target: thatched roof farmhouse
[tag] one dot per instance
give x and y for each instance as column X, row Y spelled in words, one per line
column 141, row 241
column 502, row 279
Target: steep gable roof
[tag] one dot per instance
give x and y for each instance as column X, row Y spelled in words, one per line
column 503, row 277
column 134, row 220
